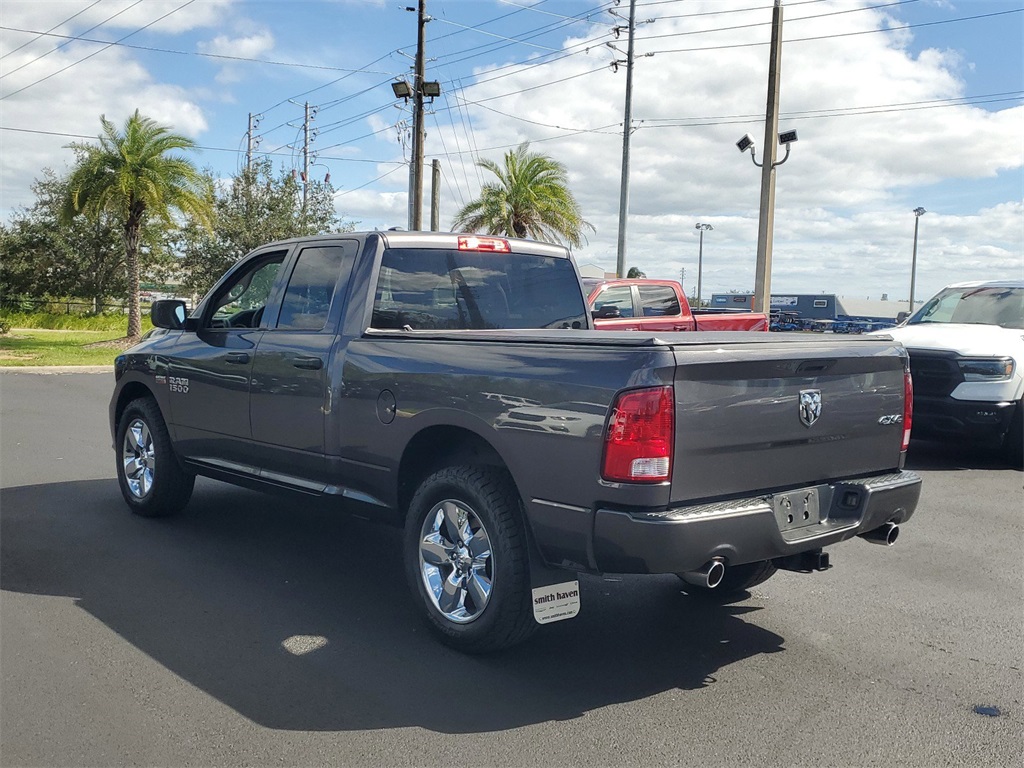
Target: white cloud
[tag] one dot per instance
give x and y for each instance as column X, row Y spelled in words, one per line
column 843, row 202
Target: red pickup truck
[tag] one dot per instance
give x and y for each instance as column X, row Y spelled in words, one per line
column 659, row 305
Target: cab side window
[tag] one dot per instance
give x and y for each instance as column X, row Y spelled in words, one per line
column 620, row 297
column 240, row 303
column 312, row 286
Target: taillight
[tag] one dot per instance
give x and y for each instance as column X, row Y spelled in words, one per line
column 489, row 244
column 638, row 444
column 908, row 408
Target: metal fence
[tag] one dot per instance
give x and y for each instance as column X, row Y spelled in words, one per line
column 67, row 306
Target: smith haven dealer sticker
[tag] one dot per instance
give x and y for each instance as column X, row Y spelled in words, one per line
column 556, row 602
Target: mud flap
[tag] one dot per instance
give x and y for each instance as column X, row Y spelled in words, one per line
column 554, row 598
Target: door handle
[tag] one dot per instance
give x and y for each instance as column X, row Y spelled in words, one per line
column 308, row 363
column 239, row 358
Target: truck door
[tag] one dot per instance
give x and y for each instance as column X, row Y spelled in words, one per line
column 289, row 398
column 208, row 373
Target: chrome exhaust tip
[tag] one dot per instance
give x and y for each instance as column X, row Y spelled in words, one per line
column 884, row 535
column 709, row 575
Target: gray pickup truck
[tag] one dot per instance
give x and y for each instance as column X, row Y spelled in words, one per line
column 455, row 385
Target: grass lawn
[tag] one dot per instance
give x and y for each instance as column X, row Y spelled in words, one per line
column 46, row 347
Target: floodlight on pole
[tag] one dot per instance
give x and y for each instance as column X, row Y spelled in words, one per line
column 918, row 213
column 700, row 257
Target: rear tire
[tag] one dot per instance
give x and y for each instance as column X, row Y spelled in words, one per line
column 467, row 560
column 151, row 478
column 737, row 579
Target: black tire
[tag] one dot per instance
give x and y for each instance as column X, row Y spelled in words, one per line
column 486, row 499
column 737, row 579
column 1013, row 445
column 151, row 478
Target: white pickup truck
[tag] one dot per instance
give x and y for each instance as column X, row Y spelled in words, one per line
column 966, row 348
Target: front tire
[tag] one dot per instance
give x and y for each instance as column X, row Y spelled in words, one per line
column 152, row 480
column 467, row 559
column 1013, row 445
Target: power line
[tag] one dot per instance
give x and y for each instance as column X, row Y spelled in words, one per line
column 768, row 23
column 55, row 26
column 846, row 34
column 202, row 54
column 54, row 50
column 76, row 63
column 238, row 150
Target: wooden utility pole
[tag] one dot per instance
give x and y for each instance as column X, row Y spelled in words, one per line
column 435, row 195
column 627, row 127
column 416, row 222
column 766, row 221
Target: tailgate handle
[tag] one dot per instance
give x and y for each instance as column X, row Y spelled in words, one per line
column 237, row 357
column 814, row 366
column 309, row 363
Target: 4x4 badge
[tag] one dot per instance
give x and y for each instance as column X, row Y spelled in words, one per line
column 810, row 406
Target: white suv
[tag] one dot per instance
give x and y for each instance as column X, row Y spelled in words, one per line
column 966, row 348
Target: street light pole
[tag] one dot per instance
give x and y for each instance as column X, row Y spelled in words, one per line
column 700, row 258
column 918, row 213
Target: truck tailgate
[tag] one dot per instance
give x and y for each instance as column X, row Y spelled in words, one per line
column 740, row 425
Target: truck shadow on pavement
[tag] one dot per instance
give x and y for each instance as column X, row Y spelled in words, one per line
column 955, row 456
column 219, row 594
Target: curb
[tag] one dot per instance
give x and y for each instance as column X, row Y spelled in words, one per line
column 56, row 369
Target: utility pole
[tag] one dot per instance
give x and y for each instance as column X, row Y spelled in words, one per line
column 435, row 195
column 627, row 127
column 248, row 144
column 305, row 157
column 416, row 222
column 766, row 221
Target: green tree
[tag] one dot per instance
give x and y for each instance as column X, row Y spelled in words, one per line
column 42, row 257
column 531, row 198
column 133, row 176
column 636, row 273
column 256, row 208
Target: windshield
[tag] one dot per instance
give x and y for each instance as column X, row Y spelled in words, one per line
column 1002, row 306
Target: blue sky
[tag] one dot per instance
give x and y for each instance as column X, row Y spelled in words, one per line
column 897, row 104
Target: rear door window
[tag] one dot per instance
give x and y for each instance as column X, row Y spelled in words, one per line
column 659, row 301
column 434, row 289
column 311, row 288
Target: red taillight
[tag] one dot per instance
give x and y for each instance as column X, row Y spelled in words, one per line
column 489, row 244
column 638, row 445
column 908, row 408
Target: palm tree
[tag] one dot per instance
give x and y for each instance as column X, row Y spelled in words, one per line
column 132, row 175
column 531, row 198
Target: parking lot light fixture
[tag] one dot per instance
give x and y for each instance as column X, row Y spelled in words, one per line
column 918, row 213
column 700, row 257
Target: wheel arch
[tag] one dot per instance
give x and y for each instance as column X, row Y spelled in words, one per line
column 132, row 390
column 439, row 446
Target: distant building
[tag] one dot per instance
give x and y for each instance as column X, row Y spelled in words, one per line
column 592, row 270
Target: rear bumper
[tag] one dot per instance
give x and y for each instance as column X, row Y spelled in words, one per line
column 748, row 530
column 936, row 418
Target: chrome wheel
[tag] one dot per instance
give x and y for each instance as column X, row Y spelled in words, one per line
column 138, row 458
column 456, row 563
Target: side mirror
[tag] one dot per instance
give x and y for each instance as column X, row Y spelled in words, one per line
column 606, row 312
column 901, row 316
column 168, row 313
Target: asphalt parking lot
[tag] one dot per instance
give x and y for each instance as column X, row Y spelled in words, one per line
column 260, row 630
